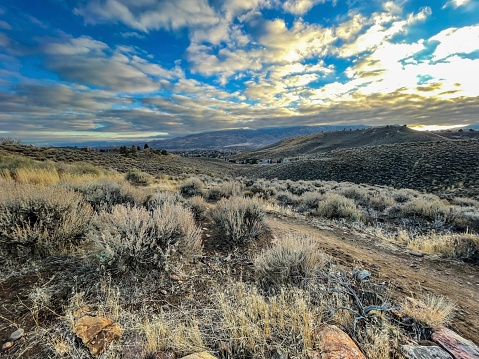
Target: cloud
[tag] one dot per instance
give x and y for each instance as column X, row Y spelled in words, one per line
column 5, row 25
column 148, row 15
column 453, row 41
column 301, row 7
column 455, row 3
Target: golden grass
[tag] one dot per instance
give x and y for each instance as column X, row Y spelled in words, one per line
column 455, row 245
column 432, row 310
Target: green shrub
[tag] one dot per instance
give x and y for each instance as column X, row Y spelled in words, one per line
column 132, row 238
column 291, row 261
column 335, row 206
column 238, row 220
column 42, row 220
column 192, row 187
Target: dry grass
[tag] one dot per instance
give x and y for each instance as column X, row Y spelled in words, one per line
column 334, row 206
column 463, row 246
column 432, row 310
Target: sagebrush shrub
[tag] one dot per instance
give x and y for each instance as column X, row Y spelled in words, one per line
column 106, row 193
column 131, row 237
column 291, row 261
column 192, row 187
column 139, row 178
column 335, row 206
column 41, row 219
column 238, row 220
column 225, row 190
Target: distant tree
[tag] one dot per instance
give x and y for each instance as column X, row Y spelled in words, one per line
column 460, row 130
column 138, row 148
column 133, row 150
column 123, row 151
column 164, row 152
column 146, row 146
column 471, row 130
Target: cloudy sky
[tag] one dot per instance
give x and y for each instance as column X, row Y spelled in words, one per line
column 92, row 70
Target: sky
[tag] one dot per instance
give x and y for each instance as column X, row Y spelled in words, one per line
column 75, row 71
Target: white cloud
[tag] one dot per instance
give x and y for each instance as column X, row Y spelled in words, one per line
column 5, row 25
column 452, row 41
column 300, row 7
column 455, row 3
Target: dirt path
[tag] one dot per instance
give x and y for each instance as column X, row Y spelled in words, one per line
column 407, row 273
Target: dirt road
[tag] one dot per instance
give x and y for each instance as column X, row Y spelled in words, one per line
column 408, row 274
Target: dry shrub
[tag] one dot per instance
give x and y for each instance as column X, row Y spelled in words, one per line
column 238, row 220
column 192, row 187
column 431, row 310
column 106, row 193
column 380, row 340
column 43, row 220
column 139, row 178
column 462, row 246
column 225, row 190
column 286, row 198
column 426, row 207
column 198, row 206
column 254, row 325
column 335, row 206
column 292, row 261
column 311, row 200
column 39, row 176
column 134, row 238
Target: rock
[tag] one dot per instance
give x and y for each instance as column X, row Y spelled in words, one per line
column 416, row 254
column 361, row 275
column 421, row 352
column 202, row 355
column 454, row 344
column 335, row 344
column 17, row 334
column 7, row 345
column 97, row 332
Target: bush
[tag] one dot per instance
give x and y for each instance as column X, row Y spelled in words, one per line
column 106, row 193
column 198, row 207
column 192, row 187
column 239, row 220
column 434, row 311
column 426, row 207
column 291, row 261
column 43, row 220
column 135, row 238
column 335, row 206
column 226, row 190
column 139, row 178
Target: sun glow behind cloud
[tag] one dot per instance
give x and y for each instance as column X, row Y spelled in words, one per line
column 129, row 69
column 436, row 127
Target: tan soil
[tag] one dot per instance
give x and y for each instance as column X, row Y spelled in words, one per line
column 407, row 274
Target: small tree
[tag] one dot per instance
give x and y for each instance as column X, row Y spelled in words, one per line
column 146, row 146
column 133, row 150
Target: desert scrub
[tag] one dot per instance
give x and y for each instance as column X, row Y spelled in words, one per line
column 106, row 193
column 291, row 261
column 335, row 206
column 198, row 206
column 225, row 190
column 192, row 187
column 427, row 207
column 42, row 220
column 131, row 237
column 139, row 178
column 238, row 220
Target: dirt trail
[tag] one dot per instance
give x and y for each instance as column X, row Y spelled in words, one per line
column 407, row 273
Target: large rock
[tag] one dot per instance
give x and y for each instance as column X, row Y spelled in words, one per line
column 97, row 332
column 422, row 352
column 202, row 355
column 333, row 343
column 454, row 344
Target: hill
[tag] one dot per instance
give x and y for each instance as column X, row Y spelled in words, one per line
column 437, row 166
column 315, row 144
column 241, row 138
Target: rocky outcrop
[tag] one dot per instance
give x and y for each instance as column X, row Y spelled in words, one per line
column 333, row 343
column 454, row 344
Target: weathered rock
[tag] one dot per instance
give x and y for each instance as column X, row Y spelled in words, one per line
column 7, row 345
column 17, row 334
column 361, row 275
column 97, row 333
column 454, row 344
column 422, row 352
column 202, row 355
column 333, row 343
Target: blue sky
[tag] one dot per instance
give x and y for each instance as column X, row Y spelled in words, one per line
column 92, row 70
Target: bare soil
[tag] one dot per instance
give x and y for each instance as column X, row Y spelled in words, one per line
column 407, row 273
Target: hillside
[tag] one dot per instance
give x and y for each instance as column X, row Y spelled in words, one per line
column 328, row 141
column 439, row 166
column 241, row 138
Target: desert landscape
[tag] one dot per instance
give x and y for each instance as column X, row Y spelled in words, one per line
column 180, row 256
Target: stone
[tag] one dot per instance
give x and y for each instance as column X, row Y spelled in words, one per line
column 17, row 334
column 454, row 344
column 202, row 355
column 97, row 333
column 7, row 345
column 333, row 343
column 422, row 352
column 361, row 275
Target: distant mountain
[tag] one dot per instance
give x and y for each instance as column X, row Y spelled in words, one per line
column 319, row 143
column 242, row 138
